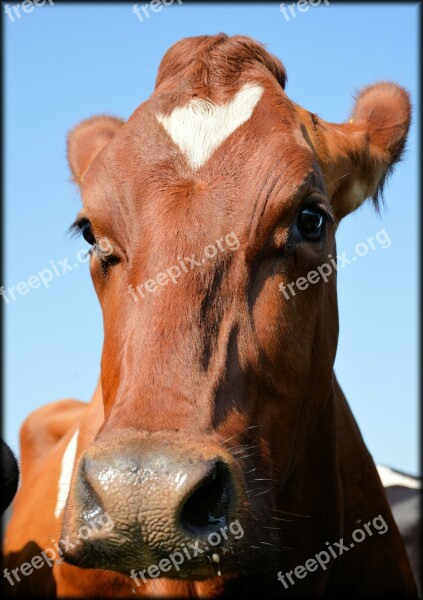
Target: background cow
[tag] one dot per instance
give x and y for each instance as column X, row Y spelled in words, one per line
column 9, row 476
column 404, row 497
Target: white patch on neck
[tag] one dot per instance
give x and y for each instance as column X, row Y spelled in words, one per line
column 390, row 478
column 201, row 126
column 68, row 461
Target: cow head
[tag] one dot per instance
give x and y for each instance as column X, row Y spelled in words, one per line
column 201, row 209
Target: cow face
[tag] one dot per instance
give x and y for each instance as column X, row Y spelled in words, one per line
column 201, row 210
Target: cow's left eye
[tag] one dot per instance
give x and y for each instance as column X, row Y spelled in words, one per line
column 310, row 223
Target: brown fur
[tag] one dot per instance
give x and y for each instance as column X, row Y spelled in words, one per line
column 222, row 355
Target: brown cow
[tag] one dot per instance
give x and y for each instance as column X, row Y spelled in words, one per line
column 218, row 412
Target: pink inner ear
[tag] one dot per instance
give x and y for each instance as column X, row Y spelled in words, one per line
column 357, row 156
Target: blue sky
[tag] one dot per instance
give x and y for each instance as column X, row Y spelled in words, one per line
column 68, row 62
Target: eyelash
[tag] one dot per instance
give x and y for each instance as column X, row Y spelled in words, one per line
column 106, row 260
column 316, row 206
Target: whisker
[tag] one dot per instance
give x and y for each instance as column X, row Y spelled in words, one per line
column 265, row 492
column 266, row 544
column 246, row 429
column 290, row 513
column 247, row 456
column 241, row 449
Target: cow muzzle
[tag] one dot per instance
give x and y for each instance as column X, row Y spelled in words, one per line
column 147, row 496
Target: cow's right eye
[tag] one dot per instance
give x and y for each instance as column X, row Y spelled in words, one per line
column 87, row 233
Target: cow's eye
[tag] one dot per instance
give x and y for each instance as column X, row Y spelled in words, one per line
column 87, row 233
column 310, row 223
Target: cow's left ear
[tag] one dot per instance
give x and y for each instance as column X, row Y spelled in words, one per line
column 355, row 157
column 87, row 139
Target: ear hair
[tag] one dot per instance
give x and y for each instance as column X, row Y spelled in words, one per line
column 356, row 157
column 384, row 109
column 86, row 140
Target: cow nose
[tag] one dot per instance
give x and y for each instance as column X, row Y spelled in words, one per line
column 159, row 497
column 194, row 496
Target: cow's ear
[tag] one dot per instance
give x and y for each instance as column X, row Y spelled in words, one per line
column 356, row 156
column 86, row 140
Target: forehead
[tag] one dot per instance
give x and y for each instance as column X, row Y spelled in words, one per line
column 215, row 155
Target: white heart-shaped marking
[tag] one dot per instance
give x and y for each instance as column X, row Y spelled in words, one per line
column 201, row 126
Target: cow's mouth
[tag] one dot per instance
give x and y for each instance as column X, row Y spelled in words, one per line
column 187, row 562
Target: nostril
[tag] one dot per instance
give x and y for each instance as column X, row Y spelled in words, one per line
column 88, row 497
column 208, row 505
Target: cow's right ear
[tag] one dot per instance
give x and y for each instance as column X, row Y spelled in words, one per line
column 86, row 140
column 357, row 156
